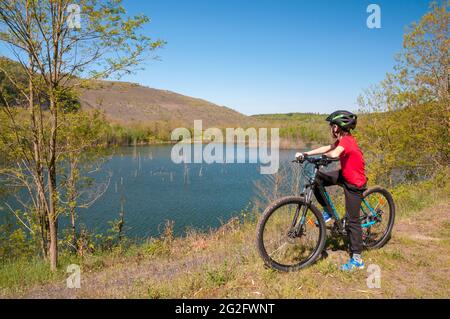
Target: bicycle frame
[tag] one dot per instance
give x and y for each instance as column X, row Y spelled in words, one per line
column 309, row 192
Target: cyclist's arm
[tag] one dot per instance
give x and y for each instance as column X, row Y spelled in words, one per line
column 335, row 152
column 320, row 150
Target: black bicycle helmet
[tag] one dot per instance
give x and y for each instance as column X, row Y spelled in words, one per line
column 344, row 119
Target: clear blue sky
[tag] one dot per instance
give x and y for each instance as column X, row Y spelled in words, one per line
column 267, row 56
column 272, row 56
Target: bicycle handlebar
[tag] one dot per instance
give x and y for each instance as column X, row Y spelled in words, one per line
column 323, row 160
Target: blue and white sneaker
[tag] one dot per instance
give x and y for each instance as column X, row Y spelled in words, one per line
column 352, row 265
column 326, row 217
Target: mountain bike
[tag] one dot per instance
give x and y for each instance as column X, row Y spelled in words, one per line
column 291, row 233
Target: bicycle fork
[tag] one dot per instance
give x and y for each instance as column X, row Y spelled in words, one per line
column 297, row 228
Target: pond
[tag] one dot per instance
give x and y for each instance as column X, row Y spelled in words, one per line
column 151, row 189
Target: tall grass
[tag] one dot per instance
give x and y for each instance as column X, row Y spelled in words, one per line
column 21, row 273
column 412, row 198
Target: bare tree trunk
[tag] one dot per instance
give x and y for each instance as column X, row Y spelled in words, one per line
column 37, row 142
column 53, row 198
column 52, row 89
column 53, row 244
column 53, row 224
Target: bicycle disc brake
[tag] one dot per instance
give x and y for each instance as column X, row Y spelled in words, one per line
column 294, row 233
column 379, row 216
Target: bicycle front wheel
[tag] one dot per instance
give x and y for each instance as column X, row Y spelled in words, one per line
column 288, row 239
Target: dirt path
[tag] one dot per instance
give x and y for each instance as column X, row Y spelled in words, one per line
column 415, row 263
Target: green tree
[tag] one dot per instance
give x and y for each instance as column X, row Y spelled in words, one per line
column 56, row 59
column 406, row 135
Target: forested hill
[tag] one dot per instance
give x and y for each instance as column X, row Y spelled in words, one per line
column 130, row 103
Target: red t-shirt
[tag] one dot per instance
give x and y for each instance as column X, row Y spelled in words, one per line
column 352, row 161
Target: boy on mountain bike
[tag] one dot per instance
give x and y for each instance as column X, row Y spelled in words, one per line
column 351, row 177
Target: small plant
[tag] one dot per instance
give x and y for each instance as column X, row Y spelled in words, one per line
column 156, row 293
column 157, row 248
column 162, row 246
column 326, row 268
column 220, row 276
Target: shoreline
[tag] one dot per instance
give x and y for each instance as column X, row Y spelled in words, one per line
column 284, row 144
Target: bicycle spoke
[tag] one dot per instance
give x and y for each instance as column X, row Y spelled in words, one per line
column 381, row 201
column 284, row 242
column 377, row 225
column 276, row 250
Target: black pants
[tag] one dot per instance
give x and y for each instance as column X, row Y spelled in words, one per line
column 353, row 198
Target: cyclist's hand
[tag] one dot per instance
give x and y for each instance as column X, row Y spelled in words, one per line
column 300, row 157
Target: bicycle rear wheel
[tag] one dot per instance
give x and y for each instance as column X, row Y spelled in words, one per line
column 377, row 217
column 278, row 243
